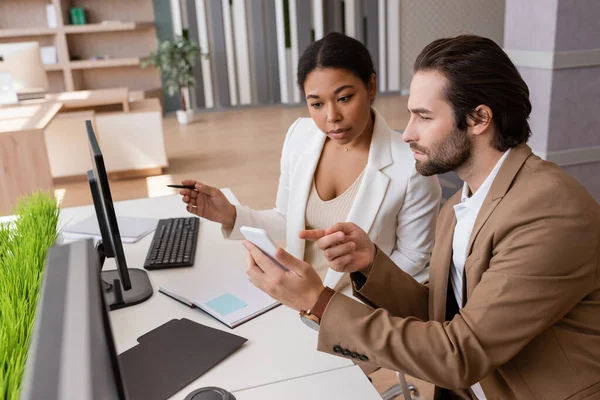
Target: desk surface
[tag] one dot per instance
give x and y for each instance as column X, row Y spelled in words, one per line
column 279, row 346
column 91, row 98
column 37, row 113
column 344, row 383
column 27, row 117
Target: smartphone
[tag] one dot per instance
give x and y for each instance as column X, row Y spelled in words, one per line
column 261, row 239
column 192, row 187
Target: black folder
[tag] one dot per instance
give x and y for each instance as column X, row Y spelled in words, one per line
column 172, row 356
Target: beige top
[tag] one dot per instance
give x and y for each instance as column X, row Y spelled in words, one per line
column 322, row 215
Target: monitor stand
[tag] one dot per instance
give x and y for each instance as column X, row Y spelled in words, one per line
column 210, row 393
column 114, row 295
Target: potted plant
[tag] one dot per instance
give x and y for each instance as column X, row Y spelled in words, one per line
column 175, row 60
column 24, row 242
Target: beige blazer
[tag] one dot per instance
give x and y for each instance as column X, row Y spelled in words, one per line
column 394, row 204
column 530, row 326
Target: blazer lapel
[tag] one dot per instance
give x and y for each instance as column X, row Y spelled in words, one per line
column 373, row 187
column 302, row 178
column 509, row 169
column 375, row 182
column 368, row 198
column 441, row 260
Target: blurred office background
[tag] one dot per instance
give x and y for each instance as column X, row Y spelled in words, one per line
column 246, row 97
column 255, row 45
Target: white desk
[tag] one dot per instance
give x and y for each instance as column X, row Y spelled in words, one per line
column 345, row 383
column 279, row 346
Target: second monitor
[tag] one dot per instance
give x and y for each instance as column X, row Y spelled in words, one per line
column 123, row 287
column 23, row 63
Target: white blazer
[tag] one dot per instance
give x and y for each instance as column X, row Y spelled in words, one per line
column 395, row 205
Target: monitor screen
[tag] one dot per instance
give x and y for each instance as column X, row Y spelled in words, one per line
column 72, row 354
column 24, row 64
column 105, row 211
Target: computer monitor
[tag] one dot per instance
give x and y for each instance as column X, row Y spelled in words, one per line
column 123, row 287
column 24, row 64
column 72, row 353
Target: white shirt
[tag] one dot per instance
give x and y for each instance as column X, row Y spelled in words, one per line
column 466, row 213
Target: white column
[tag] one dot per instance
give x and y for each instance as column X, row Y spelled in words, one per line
column 318, row 18
column 382, row 19
column 350, row 15
column 295, row 51
column 393, row 45
column 204, row 48
column 240, row 33
column 176, row 17
column 281, row 52
column 229, row 51
column 190, row 97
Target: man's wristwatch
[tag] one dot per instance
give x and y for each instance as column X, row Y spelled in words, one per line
column 312, row 317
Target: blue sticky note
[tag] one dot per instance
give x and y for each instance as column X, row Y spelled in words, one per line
column 226, row 304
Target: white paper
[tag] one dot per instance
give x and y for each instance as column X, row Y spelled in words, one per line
column 131, row 229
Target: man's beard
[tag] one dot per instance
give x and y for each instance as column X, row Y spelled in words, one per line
column 444, row 156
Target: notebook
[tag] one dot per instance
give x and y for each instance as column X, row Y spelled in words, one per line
column 170, row 357
column 232, row 300
column 131, row 229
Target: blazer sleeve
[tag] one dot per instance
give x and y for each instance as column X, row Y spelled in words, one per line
column 415, row 232
column 384, row 279
column 544, row 263
column 273, row 221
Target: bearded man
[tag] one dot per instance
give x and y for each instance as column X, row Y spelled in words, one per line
column 512, row 306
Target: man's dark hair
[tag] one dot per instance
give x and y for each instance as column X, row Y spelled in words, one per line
column 480, row 73
column 336, row 50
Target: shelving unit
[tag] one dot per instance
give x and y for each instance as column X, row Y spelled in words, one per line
column 110, row 63
column 54, row 67
column 24, row 32
column 104, row 53
column 108, row 27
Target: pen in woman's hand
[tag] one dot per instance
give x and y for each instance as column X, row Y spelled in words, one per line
column 191, row 187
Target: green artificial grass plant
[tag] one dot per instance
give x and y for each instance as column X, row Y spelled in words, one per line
column 23, row 247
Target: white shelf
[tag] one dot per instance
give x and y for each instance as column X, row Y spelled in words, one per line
column 54, row 67
column 109, row 63
column 108, row 27
column 21, row 32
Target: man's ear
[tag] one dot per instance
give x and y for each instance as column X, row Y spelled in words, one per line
column 480, row 119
